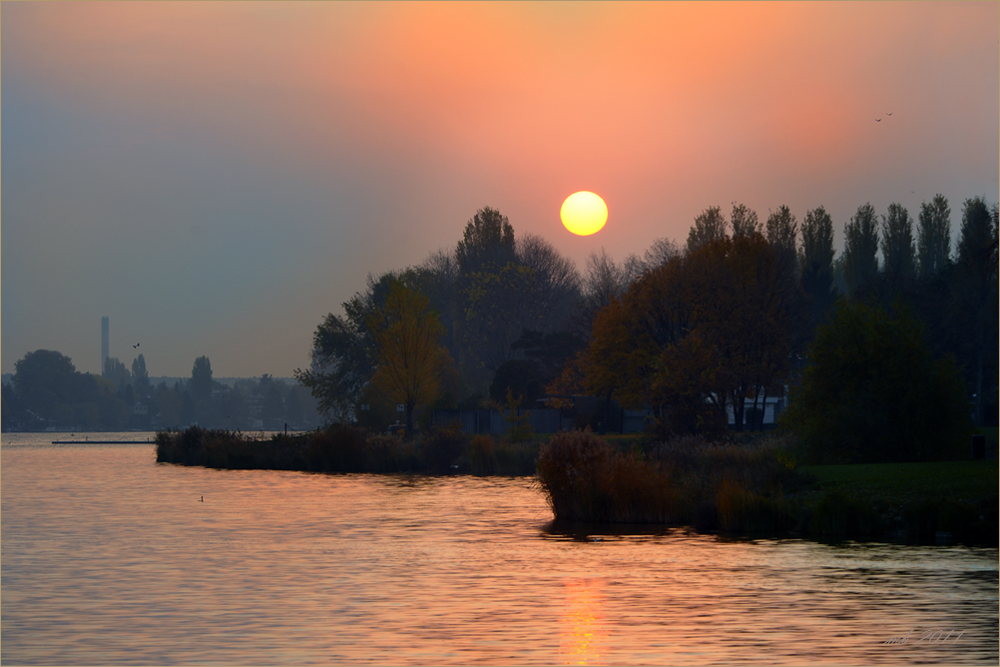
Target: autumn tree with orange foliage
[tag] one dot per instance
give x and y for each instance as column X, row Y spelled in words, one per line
column 410, row 357
column 706, row 328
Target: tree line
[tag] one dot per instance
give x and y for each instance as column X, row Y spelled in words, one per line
column 47, row 392
column 694, row 333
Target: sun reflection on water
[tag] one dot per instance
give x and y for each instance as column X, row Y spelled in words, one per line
column 582, row 633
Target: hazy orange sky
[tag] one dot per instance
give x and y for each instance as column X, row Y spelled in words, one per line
column 216, row 177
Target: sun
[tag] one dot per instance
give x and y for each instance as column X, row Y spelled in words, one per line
column 584, row 213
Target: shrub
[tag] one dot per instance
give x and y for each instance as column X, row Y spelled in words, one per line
column 873, row 393
column 684, row 480
column 587, row 479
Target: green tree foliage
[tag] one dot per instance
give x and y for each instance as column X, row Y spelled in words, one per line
column 898, row 251
column 933, row 237
column 873, row 393
column 410, row 359
column 860, row 259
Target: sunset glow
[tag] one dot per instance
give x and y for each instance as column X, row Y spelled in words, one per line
column 196, row 142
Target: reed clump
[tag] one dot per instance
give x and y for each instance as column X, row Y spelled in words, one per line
column 686, row 480
column 338, row 448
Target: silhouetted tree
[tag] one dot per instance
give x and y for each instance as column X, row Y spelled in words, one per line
column 48, row 391
column 705, row 329
column 816, row 259
column 603, row 280
column 934, row 237
column 975, row 295
column 201, row 380
column 140, row 377
column 861, row 249
column 343, row 354
column 898, row 252
column 709, row 225
column 488, row 239
column 744, row 221
column 115, row 371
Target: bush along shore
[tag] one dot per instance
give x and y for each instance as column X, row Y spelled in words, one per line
column 740, row 487
column 345, row 448
column 759, row 488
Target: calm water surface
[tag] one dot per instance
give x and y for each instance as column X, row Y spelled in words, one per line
column 111, row 558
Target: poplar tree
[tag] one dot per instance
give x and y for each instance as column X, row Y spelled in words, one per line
column 933, row 237
column 860, row 249
column 898, row 253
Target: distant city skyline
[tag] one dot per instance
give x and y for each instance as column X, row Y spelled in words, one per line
column 216, row 177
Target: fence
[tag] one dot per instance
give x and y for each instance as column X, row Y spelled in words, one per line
column 492, row 422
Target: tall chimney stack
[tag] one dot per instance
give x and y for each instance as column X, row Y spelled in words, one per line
column 105, row 341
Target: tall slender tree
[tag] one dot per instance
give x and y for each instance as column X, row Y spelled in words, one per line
column 976, row 296
column 861, row 249
column 898, row 252
column 933, row 237
column 817, row 254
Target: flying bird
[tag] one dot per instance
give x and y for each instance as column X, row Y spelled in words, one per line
column 888, row 114
column 878, row 120
column 136, row 345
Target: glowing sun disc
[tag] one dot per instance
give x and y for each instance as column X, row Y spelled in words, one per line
column 584, row 213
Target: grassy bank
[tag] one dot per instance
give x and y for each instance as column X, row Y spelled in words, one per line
column 344, row 448
column 919, row 501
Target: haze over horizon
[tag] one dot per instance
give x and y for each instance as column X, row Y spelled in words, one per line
column 216, row 177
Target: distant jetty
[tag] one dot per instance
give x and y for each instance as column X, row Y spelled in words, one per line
column 147, row 441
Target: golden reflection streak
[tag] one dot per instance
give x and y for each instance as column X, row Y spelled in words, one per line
column 582, row 632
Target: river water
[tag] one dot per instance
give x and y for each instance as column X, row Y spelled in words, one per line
column 110, row 558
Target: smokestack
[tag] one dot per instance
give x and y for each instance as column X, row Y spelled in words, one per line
column 105, row 341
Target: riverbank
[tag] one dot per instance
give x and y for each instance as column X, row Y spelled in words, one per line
column 751, row 487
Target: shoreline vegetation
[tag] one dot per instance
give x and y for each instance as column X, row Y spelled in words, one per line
column 737, row 485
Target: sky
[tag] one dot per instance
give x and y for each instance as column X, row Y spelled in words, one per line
column 217, row 177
